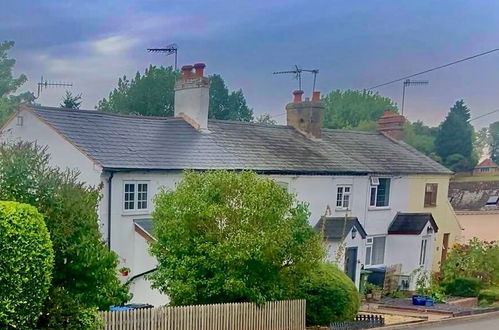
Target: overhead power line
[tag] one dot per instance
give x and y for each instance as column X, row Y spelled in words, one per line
column 435, row 68
column 486, row 114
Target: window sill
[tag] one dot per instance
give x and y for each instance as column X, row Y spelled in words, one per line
column 380, row 208
column 135, row 212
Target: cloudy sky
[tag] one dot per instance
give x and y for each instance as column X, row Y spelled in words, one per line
column 354, row 44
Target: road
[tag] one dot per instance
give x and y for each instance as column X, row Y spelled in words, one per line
column 480, row 324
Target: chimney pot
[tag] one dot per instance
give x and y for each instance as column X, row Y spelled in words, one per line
column 187, row 71
column 316, row 96
column 297, row 96
column 199, row 67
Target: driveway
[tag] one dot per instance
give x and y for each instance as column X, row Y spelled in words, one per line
column 480, row 324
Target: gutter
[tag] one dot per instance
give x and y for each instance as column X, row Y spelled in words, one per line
column 134, row 277
column 109, row 203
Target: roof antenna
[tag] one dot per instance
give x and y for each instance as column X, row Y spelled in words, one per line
column 407, row 83
column 45, row 84
column 168, row 50
column 297, row 71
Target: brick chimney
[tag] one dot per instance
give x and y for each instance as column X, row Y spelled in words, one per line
column 305, row 116
column 392, row 125
column 192, row 96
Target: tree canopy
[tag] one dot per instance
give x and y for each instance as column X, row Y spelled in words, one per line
column 352, row 108
column 494, row 141
column 84, row 269
column 265, row 119
column 9, row 84
column 231, row 237
column 152, row 94
column 71, row 101
column 454, row 141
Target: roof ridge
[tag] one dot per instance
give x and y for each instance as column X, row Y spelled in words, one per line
column 99, row 112
column 340, row 130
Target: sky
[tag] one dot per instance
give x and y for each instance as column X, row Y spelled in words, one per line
column 354, row 44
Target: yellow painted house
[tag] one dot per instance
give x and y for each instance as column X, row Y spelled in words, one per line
column 429, row 194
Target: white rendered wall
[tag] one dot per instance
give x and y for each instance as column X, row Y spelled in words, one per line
column 194, row 103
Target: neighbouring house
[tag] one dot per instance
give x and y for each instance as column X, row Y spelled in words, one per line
column 486, row 167
column 477, row 208
column 394, row 198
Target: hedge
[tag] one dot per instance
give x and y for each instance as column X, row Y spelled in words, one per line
column 463, row 287
column 25, row 266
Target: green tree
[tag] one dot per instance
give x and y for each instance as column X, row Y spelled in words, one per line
column 9, row 84
column 231, row 237
column 265, row 119
column 71, row 101
column 84, row 268
column 351, row 108
column 454, row 141
column 421, row 137
column 152, row 94
column 494, row 141
column 25, row 266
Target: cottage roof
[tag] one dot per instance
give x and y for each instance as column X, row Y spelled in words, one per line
column 411, row 223
column 336, row 228
column 119, row 142
column 487, row 163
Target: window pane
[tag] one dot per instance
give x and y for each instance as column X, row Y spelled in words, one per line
column 346, row 201
column 372, row 201
column 383, row 193
column 368, row 255
column 378, row 250
column 129, row 196
column 422, row 255
column 142, row 196
column 339, row 197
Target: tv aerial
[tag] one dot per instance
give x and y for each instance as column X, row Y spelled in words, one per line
column 167, row 50
column 407, row 83
column 297, row 71
column 46, row 84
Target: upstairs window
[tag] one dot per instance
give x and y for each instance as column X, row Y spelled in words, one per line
column 430, row 195
column 135, row 196
column 380, row 192
column 343, row 197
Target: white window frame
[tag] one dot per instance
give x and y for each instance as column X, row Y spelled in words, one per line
column 368, row 260
column 423, row 252
column 375, row 183
column 136, row 202
column 343, row 193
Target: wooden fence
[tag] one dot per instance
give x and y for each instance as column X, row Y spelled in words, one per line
column 288, row 314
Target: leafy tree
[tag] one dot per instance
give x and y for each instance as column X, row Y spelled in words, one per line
column 421, row 137
column 494, row 141
column 455, row 137
column 225, row 105
column 331, row 295
column 25, row 267
column 481, row 142
column 9, row 84
column 350, row 108
column 84, row 268
column 265, row 119
column 231, row 237
column 71, row 101
column 152, row 94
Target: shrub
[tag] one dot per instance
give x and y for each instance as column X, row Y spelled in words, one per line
column 231, row 237
column 83, row 264
column 25, row 266
column 463, row 287
column 489, row 296
column 476, row 259
column 331, row 296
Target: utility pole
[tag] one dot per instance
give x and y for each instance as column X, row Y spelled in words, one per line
column 407, row 83
column 168, row 50
column 45, row 84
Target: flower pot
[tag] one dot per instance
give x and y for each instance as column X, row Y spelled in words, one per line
column 418, row 300
column 429, row 302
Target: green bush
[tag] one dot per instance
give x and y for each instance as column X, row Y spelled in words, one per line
column 62, row 312
column 26, row 262
column 463, row 287
column 489, row 296
column 330, row 294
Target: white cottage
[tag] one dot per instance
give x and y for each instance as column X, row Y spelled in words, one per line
column 365, row 176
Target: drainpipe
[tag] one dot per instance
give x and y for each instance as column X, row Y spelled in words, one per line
column 109, row 203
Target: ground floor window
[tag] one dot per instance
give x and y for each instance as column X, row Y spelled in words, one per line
column 375, row 250
column 422, row 253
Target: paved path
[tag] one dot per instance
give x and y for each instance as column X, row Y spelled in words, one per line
column 480, row 324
